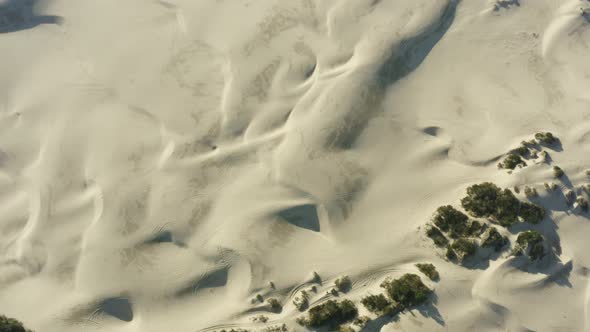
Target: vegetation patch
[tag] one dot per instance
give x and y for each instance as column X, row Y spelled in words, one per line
column 530, row 243
column 494, row 239
column 531, row 213
column 463, row 248
column 330, row 313
column 275, row 305
column 343, row 284
column 546, row 138
column 301, row 301
column 512, row 161
column 558, row 172
column 429, row 270
column 437, row 237
column 407, row 291
column 11, row 325
column 376, row 303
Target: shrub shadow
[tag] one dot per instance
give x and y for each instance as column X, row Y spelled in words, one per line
column 17, row 15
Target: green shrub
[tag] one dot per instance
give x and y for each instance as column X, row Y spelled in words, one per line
column 481, row 199
column 448, row 219
column 275, row 305
column 507, row 206
column 429, row 270
column 557, row 172
column 450, row 253
column 464, row 248
column 361, row 321
column 494, row 239
column 570, row 196
column 375, row 303
column 11, row 325
column 330, row 313
column 531, row 244
column 582, row 203
column 343, row 284
column 301, row 301
column 437, row 236
column 406, row 291
column 546, row 138
column 512, row 161
column 532, row 213
column 475, row 228
column 522, row 150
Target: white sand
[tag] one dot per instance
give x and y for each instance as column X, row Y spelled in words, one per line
column 162, row 161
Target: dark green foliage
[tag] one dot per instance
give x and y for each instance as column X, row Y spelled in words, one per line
column 437, row 236
column 475, row 228
column 343, row 284
column 375, row 303
column 501, row 206
column 429, row 270
column 522, row 150
column 582, row 203
column 512, row 161
column 464, row 248
column 532, row 213
column 531, row 243
column 407, row 291
column 546, row 138
column 494, row 239
column 448, row 219
column 361, row 321
column 275, row 305
column 558, row 172
column 331, row 313
column 507, row 206
column 450, row 253
column 11, row 325
column 393, row 309
column 481, row 199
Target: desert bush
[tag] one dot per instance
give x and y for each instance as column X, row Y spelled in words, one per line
column 448, row 219
column 331, row 313
column 429, row 270
column 557, row 172
column 481, row 199
column 531, row 213
column 260, row 319
column 582, row 203
column 488, row 200
column 464, row 248
column 450, row 253
column 530, row 243
column 301, row 301
column 11, row 325
column 361, row 321
column 516, row 189
column 259, row 298
column 546, row 138
column 512, row 161
column 275, row 305
column 437, row 236
column 343, row 284
column 406, row 291
column 494, row 239
column 375, row 303
column 474, row 228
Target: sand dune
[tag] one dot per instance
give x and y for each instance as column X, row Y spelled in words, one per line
column 162, row 163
